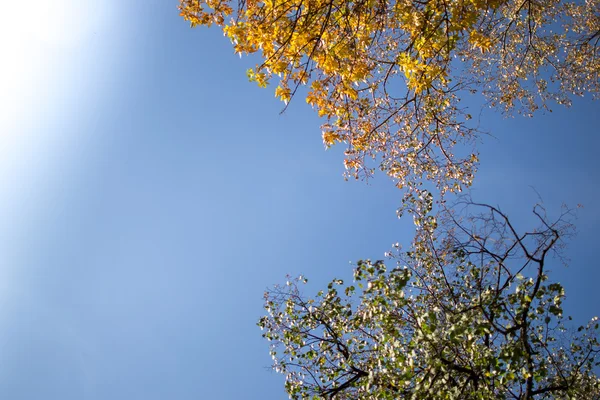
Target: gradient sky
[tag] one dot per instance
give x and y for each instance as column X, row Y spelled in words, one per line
column 150, row 194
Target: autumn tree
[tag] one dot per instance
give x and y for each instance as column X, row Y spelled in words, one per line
column 389, row 76
column 468, row 312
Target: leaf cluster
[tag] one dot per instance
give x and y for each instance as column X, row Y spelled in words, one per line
column 389, row 75
column 467, row 313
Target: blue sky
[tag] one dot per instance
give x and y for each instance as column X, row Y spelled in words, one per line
column 150, row 194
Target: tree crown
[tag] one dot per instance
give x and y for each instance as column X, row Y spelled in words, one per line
column 467, row 313
column 389, row 76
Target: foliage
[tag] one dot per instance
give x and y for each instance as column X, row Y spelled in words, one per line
column 468, row 313
column 389, row 76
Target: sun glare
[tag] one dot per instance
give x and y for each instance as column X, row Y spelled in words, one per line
column 34, row 36
column 40, row 39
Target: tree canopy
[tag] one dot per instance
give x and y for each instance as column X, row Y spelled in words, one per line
column 391, row 77
column 467, row 313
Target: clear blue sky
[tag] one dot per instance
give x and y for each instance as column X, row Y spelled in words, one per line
column 150, row 194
